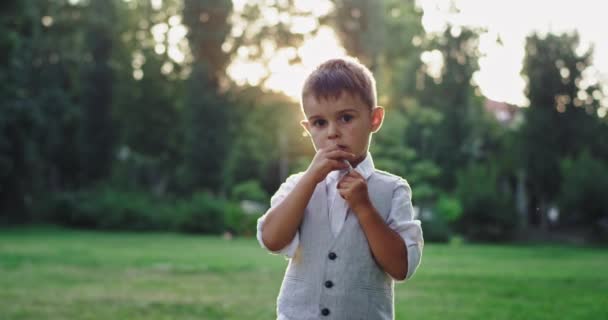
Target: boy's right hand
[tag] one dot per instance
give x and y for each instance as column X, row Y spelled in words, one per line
column 327, row 160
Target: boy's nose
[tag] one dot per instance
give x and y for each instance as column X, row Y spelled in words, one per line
column 332, row 131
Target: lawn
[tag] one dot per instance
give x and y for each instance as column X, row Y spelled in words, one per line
column 50, row 273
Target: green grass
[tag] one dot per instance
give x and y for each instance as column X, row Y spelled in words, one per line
column 48, row 273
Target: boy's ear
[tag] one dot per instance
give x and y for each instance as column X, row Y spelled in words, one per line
column 306, row 125
column 377, row 118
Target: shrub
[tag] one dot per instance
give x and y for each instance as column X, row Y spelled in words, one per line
column 202, row 213
column 107, row 208
column 449, row 208
column 582, row 196
column 488, row 212
column 239, row 222
column 434, row 226
column 249, row 190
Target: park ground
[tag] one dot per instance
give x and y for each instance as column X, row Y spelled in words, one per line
column 54, row 273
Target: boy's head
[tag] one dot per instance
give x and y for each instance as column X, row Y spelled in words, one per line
column 339, row 104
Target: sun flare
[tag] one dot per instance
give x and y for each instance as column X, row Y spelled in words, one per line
column 500, row 63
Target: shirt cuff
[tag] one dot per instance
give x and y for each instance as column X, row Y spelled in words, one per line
column 411, row 233
column 288, row 251
column 414, row 253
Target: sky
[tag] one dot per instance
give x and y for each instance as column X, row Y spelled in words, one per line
column 500, row 65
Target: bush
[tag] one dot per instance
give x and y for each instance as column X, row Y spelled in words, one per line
column 202, row 213
column 239, row 222
column 583, row 197
column 205, row 213
column 449, row 208
column 249, row 190
column 436, row 222
column 488, row 212
column 107, row 208
column 434, row 226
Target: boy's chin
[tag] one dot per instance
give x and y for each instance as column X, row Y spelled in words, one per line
column 359, row 157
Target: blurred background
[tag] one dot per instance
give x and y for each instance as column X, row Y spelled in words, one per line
column 183, row 114
column 181, row 118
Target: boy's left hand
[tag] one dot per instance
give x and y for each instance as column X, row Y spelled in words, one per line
column 353, row 188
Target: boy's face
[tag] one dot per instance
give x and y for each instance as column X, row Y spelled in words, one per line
column 346, row 122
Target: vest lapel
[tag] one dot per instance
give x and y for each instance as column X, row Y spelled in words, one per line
column 320, row 198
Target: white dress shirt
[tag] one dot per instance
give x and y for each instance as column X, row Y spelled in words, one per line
column 400, row 217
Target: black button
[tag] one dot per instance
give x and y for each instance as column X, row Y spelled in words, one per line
column 328, row 284
column 325, row 312
column 332, row 256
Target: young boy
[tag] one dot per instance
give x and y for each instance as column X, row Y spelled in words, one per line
column 348, row 232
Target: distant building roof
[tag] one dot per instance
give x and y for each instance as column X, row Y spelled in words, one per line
column 505, row 113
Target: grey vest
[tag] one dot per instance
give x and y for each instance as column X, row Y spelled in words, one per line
column 336, row 277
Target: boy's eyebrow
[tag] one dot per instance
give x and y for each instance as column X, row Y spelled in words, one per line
column 337, row 112
column 347, row 110
column 314, row 117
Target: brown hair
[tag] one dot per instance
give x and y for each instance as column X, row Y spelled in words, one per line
column 335, row 76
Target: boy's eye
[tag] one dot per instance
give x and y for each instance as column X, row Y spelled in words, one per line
column 346, row 118
column 319, row 123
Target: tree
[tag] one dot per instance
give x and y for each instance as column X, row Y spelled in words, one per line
column 560, row 121
column 39, row 117
column 359, row 25
column 98, row 136
column 148, row 97
column 207, row 112
column 400, row 58
column 453, row 96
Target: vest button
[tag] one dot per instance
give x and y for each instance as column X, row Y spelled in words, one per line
column 328, row 284
column 332, row 256
column 325, row 311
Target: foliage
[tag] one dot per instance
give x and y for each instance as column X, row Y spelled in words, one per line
column 488, row 210
column 250, row 190
column 558, row 124
column 359, row 25
column 265, row 129
column 449, row 208
column 241, row 223
column 107, row 208
column 583, row 198
column 135, row 95
column 208, row 27
column 392, row 152
column 202, row 213
column 97, row 139
column 452, row 95
column 205, row 113
column 435, row 227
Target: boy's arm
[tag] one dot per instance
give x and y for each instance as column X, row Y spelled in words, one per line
column 401, row 220
column 387, row 246
column 282, row 221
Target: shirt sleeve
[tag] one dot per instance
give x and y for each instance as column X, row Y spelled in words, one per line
column 290, row 249
column 402, row 221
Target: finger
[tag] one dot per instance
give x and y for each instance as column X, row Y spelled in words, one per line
column 336, row 164
column 330, row 147
column 354, row 174
column 350, row 178
column 339, row 154
column 344, row 183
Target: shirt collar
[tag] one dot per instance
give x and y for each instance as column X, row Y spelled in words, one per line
column 365, row 169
